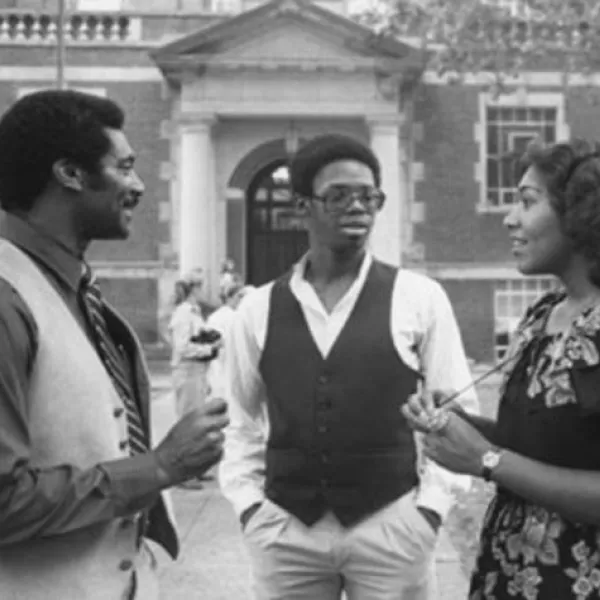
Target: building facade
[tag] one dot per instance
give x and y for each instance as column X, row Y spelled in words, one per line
column 219, row 94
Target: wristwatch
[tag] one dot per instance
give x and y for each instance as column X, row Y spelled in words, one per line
column 489, row 461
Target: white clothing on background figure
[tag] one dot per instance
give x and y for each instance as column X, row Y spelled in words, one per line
column 190, row 381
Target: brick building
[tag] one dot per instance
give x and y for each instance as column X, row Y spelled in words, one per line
column 218, row 93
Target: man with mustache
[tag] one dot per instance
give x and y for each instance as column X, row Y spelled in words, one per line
column 80, row 486
column 320, row 464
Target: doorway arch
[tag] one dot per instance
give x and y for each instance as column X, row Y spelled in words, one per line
column 276, row 236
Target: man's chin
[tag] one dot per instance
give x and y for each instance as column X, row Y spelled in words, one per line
column 118, row 233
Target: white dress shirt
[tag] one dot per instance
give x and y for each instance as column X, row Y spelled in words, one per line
column 221, row 321
column 425, row 335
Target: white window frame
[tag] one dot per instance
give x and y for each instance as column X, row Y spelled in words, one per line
column 519, row 99
column 505, row 291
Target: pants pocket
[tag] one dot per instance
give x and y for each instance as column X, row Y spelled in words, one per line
column 266, row 524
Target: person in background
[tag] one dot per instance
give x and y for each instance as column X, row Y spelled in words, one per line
column 190, row 359
column 227, row 277
column 541, row 534
column 320, row 466
column 81, row 484
column 220, row 320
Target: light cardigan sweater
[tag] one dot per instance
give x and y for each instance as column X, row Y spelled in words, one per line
column 72, row 420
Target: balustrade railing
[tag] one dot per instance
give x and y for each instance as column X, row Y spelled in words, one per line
column 28, row 27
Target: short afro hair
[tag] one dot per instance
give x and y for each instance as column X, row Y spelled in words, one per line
column 47, row 126
column 323, row 150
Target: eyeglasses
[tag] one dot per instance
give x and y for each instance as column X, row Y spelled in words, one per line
column 338, row 199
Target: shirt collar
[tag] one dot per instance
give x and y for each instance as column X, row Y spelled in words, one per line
column 305, row 293
column 65, row 265
column 299, row 269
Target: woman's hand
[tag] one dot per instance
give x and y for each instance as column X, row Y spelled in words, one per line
column 422, row 414
column 457, row 446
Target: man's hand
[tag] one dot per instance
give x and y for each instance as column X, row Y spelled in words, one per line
column 194, row 444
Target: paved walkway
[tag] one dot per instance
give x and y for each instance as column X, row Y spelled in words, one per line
column 213, row 563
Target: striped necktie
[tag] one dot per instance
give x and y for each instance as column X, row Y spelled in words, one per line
column 113, row 362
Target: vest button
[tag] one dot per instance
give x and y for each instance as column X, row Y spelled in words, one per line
column 126, row 565
column 325, row 458
column 323, row 379
column 122, row 444
column 118, row 411
column 322, row 429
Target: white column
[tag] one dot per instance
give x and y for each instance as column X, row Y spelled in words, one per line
column 387, row 237
column 197, row 197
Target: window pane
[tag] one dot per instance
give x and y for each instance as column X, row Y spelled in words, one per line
column 516, row 305
column 493, row 197
column 492, row 113
column 535, row 114
column 492, row 139
column 508, row 197
column 549, row 134
column 492, row 173
column 502, row 306
column 521, row 114
column 531, row 284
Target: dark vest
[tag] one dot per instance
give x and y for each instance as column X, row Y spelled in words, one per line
column 338, row 440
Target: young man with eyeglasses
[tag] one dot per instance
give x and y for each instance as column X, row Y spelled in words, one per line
column 320, row 464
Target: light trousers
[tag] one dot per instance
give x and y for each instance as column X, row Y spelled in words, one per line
column 387, row 556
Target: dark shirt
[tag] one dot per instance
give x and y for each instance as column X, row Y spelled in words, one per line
column 51, row 501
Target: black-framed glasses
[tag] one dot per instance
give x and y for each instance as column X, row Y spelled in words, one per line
column 339, row 198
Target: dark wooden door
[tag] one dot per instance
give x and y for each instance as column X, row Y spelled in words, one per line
column 276, row 234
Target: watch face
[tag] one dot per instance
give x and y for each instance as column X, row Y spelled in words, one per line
column 491, row 459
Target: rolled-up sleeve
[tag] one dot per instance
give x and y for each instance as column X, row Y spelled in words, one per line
column 444, row 366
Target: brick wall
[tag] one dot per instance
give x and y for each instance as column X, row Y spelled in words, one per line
column 473, row 306
column 453, row 231
column 137, row 301
column 145, row 109
column 583, row 113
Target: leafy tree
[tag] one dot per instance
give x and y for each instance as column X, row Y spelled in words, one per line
column 501, row 37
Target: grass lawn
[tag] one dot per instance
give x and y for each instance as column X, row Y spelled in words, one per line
column 464, row 521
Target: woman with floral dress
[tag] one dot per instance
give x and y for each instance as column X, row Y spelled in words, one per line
column 541, row 534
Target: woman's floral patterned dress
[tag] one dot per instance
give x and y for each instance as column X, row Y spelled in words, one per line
column 549, row 411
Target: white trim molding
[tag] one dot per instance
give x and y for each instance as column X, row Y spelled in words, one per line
column 471, row 271
column 520, row 98
column 551, row 79
column 95, row 74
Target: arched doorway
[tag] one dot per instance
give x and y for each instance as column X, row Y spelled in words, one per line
column 276, row 234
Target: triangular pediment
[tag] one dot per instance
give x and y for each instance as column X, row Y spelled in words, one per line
column 287, row 32
column 287, row 39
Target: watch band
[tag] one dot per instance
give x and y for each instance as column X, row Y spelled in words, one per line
column 490, row 461
column 486, row 473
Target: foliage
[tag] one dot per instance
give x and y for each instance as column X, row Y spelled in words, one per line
column 501, row 37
